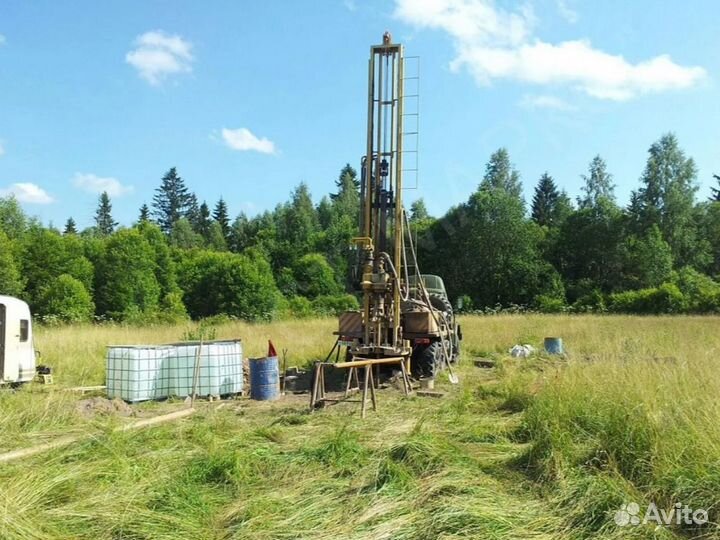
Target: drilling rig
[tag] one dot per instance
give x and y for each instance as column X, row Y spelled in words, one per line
column 405, row 314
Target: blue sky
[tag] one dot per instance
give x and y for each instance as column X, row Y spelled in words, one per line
column 248, row 99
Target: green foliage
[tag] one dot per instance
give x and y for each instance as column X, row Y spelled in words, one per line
column 144, row 215
column 589, row 247
column 647, row 261
column 464, row 304
column 314, row 276
column 70, row 227
column 300, row 307
column 222, row 218
column 203, row 222
column 206, row 330
column 172, row 200
column 328, row 305
column 592, row 301
column 13, row 221
column 666, row 199
column 549, row 304
column 487, row 249
column 65, row 299
column 545, row 205
column 238, row 285
column 45, row 254
column 215, row 238
column 666, row 298
column 598, row 185
column 128, row 286
column 183, row 235
column 11, row 284
column 104, row 222
column 286, row 282
column 500, row 174
column 701, row 292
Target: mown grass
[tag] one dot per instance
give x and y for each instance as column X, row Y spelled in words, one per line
column 539, row 448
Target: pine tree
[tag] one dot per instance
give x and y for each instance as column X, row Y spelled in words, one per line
column 716, row 191
column 347, row 173
column 221, row 216
column 500, row 174
column 597, row 184
column 203, row 221
column 193, row 212
column 545, row 202
column 104, row 223
column 70, row 226
column 144, row 214
column 171, row 201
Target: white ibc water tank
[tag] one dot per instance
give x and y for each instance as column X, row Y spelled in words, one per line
column 141, row 373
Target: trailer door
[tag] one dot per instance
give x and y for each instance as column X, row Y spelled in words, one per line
column 3, row 331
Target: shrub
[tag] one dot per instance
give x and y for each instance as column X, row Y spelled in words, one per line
column 127, row 284
column 238, row 285
column 315, row 277
column 549, row 304
column 701, row 292
column 65, row 299
column 334, row 304
column 664, row 299
column 590, row 302
column 300, row 307
column 464, row 304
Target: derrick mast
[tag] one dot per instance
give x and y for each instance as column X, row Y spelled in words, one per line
column 381, row 221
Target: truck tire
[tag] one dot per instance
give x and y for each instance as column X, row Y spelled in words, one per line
column 429, row 360
column 441, row 303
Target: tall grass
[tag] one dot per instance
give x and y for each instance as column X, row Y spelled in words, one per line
column 540, row 448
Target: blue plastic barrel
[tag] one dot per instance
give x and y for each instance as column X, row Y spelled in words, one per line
column 554, row 345
column 264, row 378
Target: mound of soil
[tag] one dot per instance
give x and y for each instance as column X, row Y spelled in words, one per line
column 100, row 405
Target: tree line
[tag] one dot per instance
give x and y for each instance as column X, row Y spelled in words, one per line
column 658, row 254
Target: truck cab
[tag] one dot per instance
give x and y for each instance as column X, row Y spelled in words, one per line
column 17, row 354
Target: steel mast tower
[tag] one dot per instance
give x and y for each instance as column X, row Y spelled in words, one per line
column 384, row 270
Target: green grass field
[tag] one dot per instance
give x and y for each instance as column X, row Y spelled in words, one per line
column 532, row 449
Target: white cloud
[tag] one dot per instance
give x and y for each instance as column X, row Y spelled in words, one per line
column 158, row 55
column 97, row 184
column 566, row 12
column 546, row 102
column 350, row 5
column 495, row 44
column 2, row 149
column 27, row 192
column 243, row 139
column 2, row 39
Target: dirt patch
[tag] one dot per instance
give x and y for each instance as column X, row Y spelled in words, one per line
column 100, row 405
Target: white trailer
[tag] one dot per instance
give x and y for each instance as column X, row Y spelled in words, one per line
column 17, row 354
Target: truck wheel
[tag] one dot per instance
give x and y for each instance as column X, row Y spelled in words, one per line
column 440, row 303
column 429, row 360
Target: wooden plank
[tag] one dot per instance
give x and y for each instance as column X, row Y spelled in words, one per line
column 430, row 393
column 65, row 441
column 368, row 362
